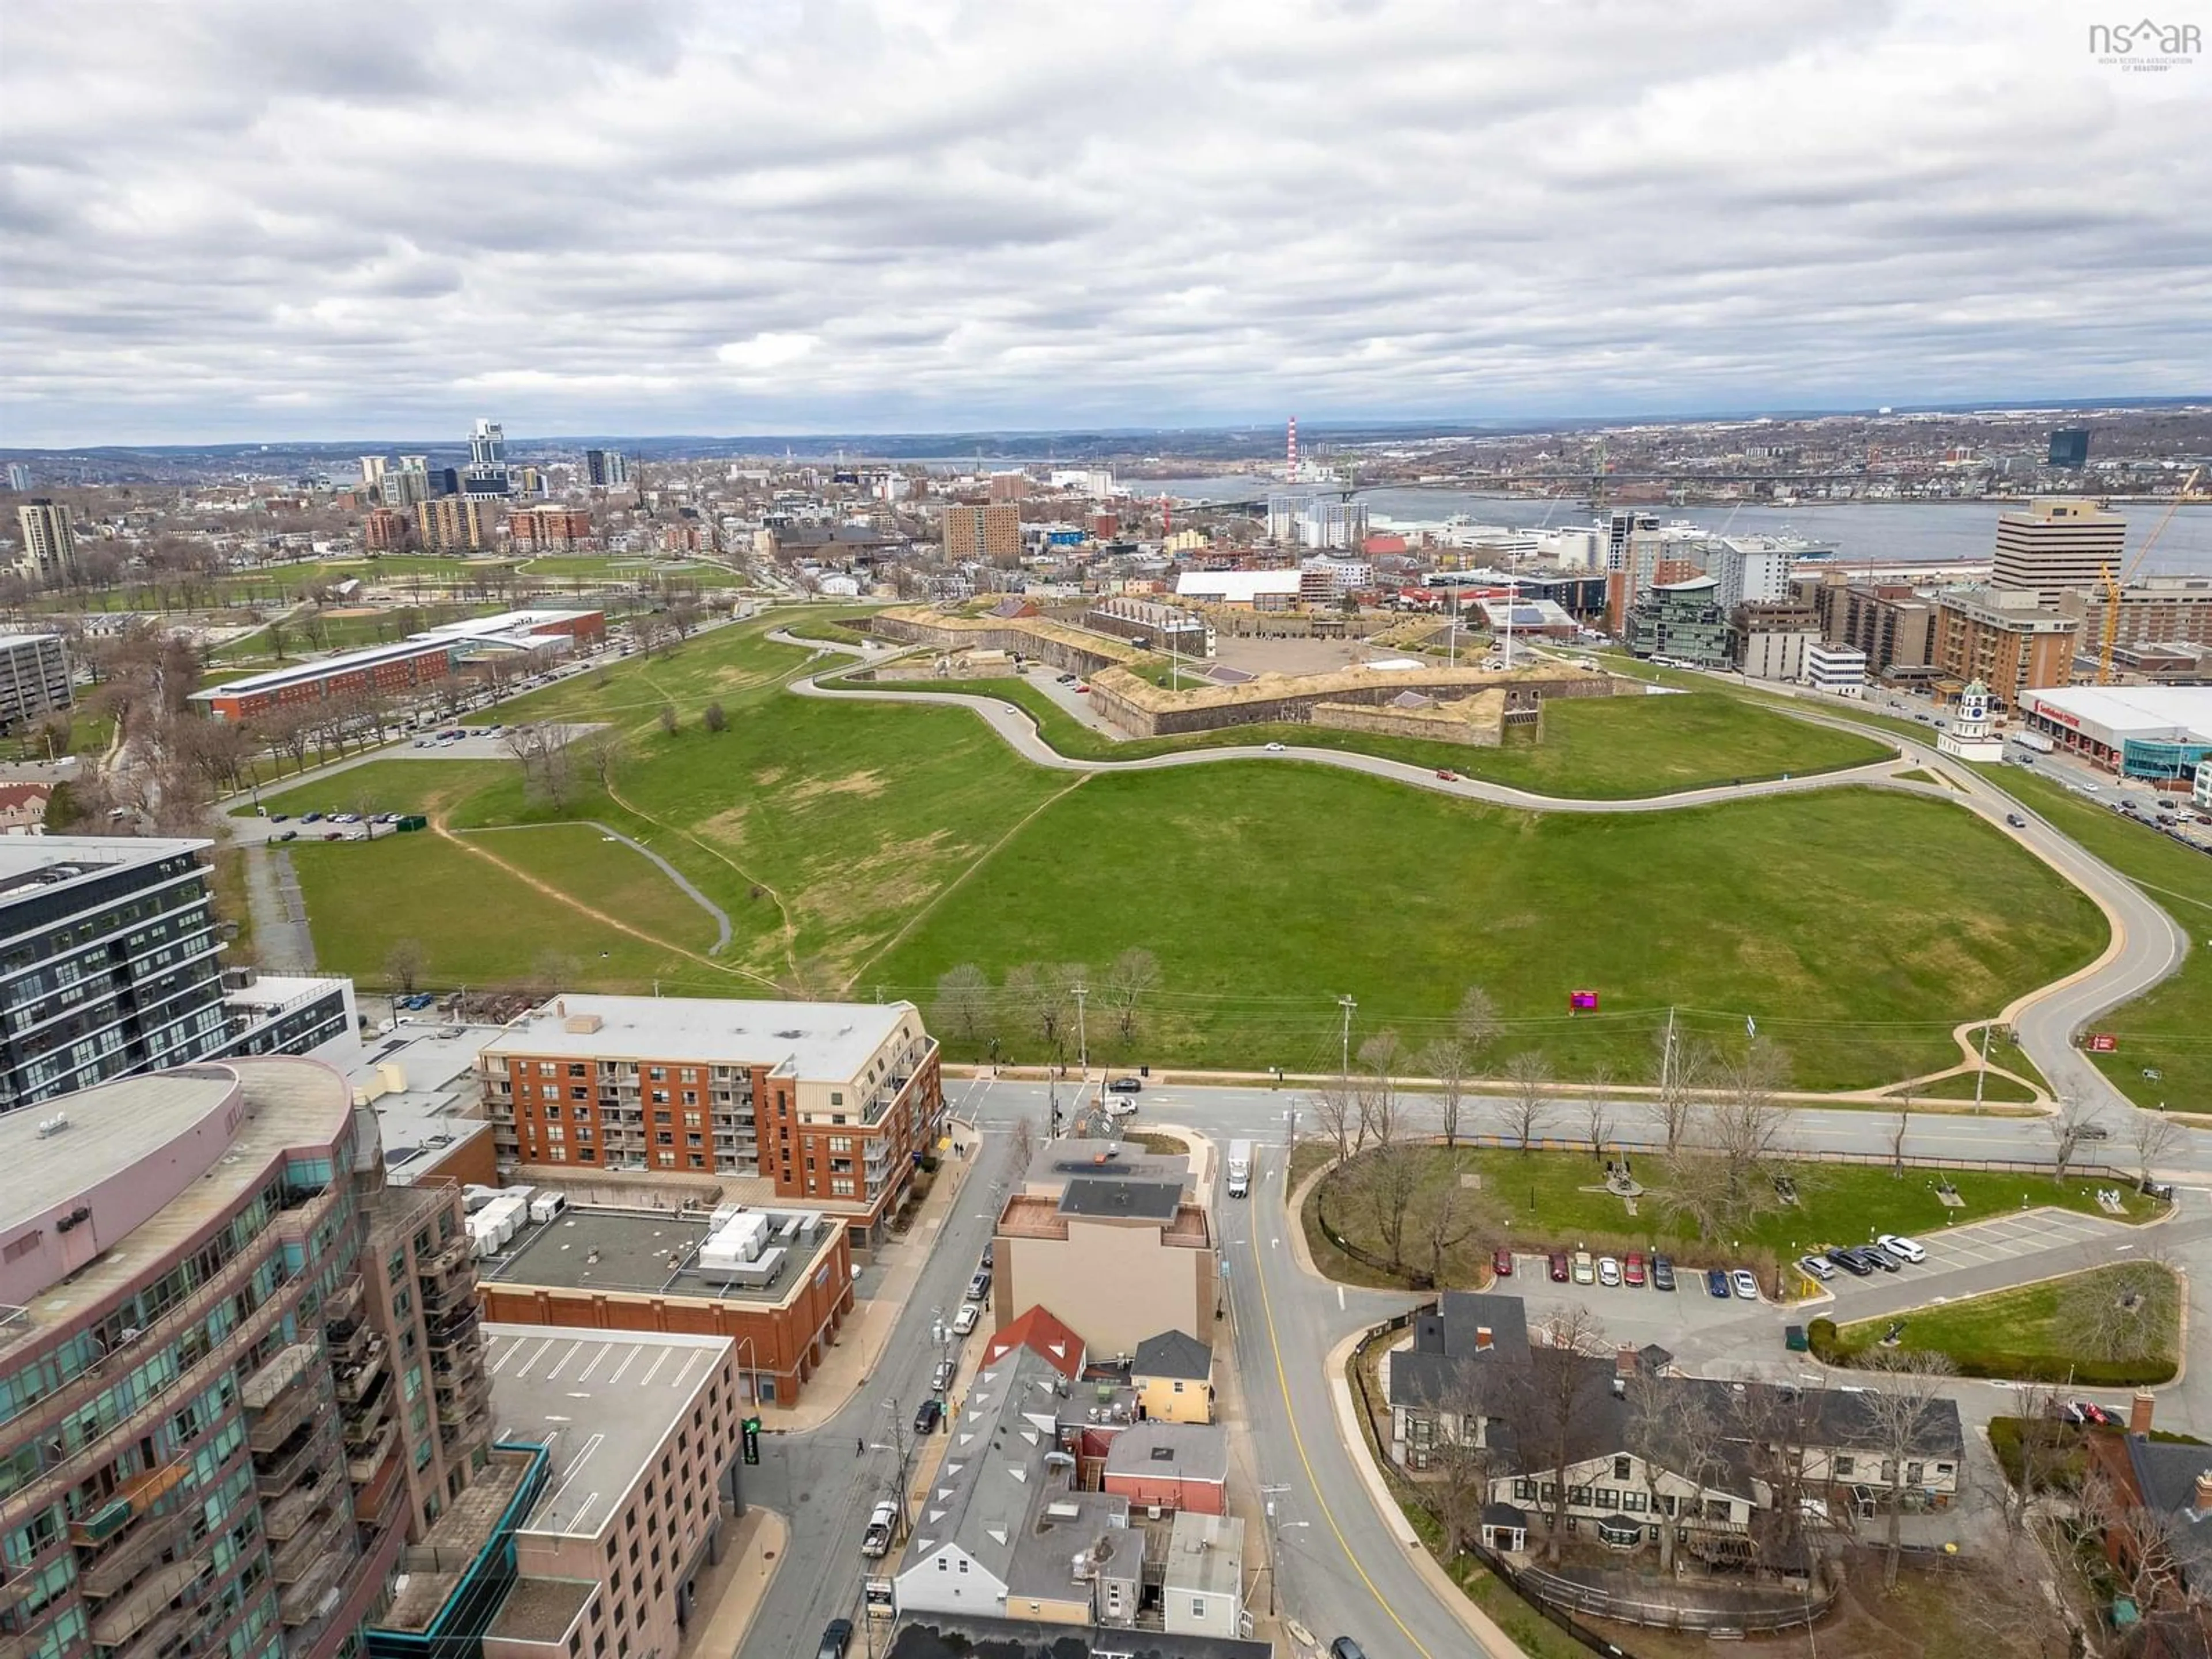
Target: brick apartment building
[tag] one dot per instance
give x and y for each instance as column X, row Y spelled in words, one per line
column 383, row 530
column 379, row 670
column 2003, row 638
column 833, row 1104
column 452, row 524
column 992, row 532
column 546, row 528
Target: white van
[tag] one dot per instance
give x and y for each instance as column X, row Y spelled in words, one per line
column 1240, row 1168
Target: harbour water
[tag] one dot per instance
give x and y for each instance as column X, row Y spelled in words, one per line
column 1921, row 531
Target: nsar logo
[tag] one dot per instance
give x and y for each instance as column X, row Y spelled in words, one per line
column 2147, row 44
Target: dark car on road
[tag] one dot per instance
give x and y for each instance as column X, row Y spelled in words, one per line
column 1662, row 1273
column 1848, row 1260
column 836, row 1637
column 926, row 1415
column 1345, row 1648
column 1126, row 1085
column 1716, row 1282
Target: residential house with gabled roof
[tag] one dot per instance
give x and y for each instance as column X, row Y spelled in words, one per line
column 1173, row 1375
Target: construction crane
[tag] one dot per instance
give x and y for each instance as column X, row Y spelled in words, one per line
column 2113, row 584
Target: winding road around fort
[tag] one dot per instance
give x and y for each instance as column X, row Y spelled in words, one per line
column 2146, row 945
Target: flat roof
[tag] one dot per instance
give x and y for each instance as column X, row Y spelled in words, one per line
column 1150, row 1200
column 9, row 641
column 642, row 1252
column 441, row 1102
column 1205, row 1554
column 502, row 623
column 826, row 1040
column 307, row 672
column 38, row 864
column 1068, row 1157
column 603, row 1403
column 113, row 1126
column 2180, row 713
column 1236, row 584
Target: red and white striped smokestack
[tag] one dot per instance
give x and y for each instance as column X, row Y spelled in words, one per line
column 1291, row 473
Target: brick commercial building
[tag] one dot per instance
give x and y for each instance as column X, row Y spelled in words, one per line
column 2156, row 610
column 549, row 529
column 1892, row 624
column 992, row 533
column 832, row 1104
column 384, row 531
column 2003, row 638
column 379, row 671
column 657, row 1270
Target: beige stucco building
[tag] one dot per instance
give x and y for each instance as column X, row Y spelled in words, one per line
column 1118, row 1259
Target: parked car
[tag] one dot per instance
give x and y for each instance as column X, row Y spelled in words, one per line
column 836, row 1637
column 970, row 1314
column 941, row 1378
column 1904, row 1250
column 1631, row 1268
column 1608, row 1271
column 1345, row 1648
column 1121, row 1106
column 1501, row 1262
column 1848, row 1260
column 990, row 1253
column 2088, row 1413
column 1585, row 1268
column 278, row 817
column 1816, row 1266
column 1716, row 1282
column 1662, row 1273
column 883, row 1523
column 1878, row 1258
column 1744, row 1283
column 979, row 1287
column 286, row 835
column 1126, row 1085
column 1559, row 1267
column 928, row 1415
column 310, row 817
column 1794, row 1339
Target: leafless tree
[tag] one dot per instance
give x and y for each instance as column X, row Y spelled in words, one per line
column 1901, row 1408
column 1446, row 1061
column 548, row 770
column 2156, row 1137
column 2009, row 1597
column 2068, row 1127
column 714, row 719
column 1668, row 1431
column 2145, row 1547
column 602, row 755
column 1377, row 1088
column 1022, row 1137
column 1560, row 1380
column 1336, row 1109
column 1463, row 1461
column 1134, row 975
column 1387, row 1178
column 2129, row 1311
column 1528, row 1108
column 1680, row 1071
column 1597, row 1114
column 1897, row 1135
column 669, row 721
column 1476, row 1021
column 404, row 965
column 1725, row 1184
column 964, row 1003
column 1448, row 1223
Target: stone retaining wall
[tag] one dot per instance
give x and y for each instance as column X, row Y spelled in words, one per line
column 1477, row 722
column 1027, row 636
column 1137, row 708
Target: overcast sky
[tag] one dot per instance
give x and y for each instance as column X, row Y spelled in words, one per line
column 248, row 221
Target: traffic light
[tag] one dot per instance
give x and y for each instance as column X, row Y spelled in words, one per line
column 752, row 1439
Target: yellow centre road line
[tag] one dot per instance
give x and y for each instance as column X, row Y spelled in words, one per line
column 1283, row 1383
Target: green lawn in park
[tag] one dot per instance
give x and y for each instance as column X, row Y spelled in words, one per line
column 870, row 846
column 1544, row 1200
column 2169, row 1029
column 1593, row 749
column 2032, row 1332
column 1234, row 876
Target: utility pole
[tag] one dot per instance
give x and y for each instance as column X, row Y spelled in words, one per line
column 1274, row 1572
column 1982, row 1076
column 1346, row 1003
column 1667, row 1055
column 1082, row 1041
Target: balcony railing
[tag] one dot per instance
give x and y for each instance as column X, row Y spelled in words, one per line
column 297, row 1558
column 274, row 1427
column 296, row 1512
column 356, row 1378
column 108, row 1574
column 125, row 1617
column 360, row 1465
column 297, row 1603
column 279, row 1474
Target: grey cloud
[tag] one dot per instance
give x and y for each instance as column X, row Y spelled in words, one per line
column 240, row 212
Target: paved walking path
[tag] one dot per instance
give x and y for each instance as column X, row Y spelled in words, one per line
column 281, row 938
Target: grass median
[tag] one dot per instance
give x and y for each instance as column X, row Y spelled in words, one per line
column 2111, row 1327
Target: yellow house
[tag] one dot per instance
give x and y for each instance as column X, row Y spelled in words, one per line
column 1173, row 1375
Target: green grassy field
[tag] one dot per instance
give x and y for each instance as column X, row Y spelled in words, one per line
column 1538, row 1201
column 1219, row 870
column 598, row 568
column 1593, row 749
column 870, row 846
column 2169, row 1030
column 1961, row 1087
column 2038, row 1324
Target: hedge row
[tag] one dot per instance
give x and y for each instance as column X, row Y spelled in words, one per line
column 1997, row 1365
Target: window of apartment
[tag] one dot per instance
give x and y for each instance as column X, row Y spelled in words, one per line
column 661, row 1096
column 557, row 1154
column 841, row 1143
column 1632, row 1500
column 1608, row 1498
column 546, row 1068
column 690, row 1119
column 576, row 1068
column 578, row 1091
column 695, row 1140
column 552, row 1110
column 555, row 1132
column 698, row 1160
column 1621, row 1466
column 667, row 1160
column 664, row 1137
column 689, row 1074
column 1579, row 1496
column 840, row 1188
column 658, row 1074
column 837, row 1096
column 1843, row 1468
column 691, row 1097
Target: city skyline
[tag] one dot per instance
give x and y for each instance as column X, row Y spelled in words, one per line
column 233, row 222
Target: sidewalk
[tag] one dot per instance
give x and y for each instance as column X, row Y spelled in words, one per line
column 730, row 1593
column 860, row 1342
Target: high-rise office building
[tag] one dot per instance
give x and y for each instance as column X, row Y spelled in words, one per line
column 1750, row 573
column 49, row 552
column 111, row 966
column 449, row 524
column 607, row 469
column 486, row 477
column 2057, row 544
column 220, row 1394
column 373, row 468
column 2069, row 446
column 19, row 476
